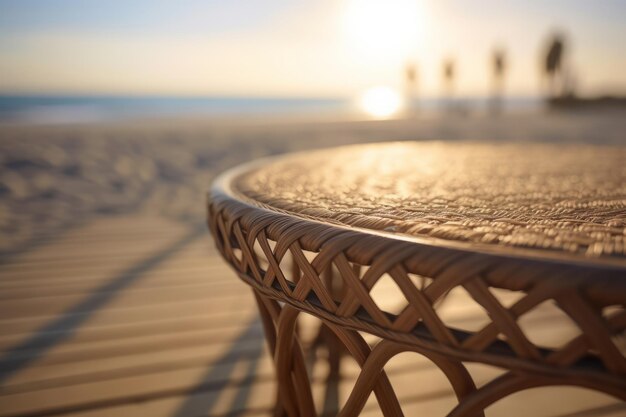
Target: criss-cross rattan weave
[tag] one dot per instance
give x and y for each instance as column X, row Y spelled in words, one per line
column 316, row 232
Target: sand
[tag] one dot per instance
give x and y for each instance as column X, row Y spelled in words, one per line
column 57, row 176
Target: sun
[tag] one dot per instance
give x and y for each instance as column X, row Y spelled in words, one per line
column 382, row 26
column 381, row 102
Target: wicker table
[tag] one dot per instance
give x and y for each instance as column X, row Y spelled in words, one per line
column 314, row 232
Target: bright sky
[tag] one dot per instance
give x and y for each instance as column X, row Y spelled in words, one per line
column 298, row 47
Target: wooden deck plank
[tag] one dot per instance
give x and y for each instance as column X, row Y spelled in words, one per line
column 118, row 367
column 133, row 296
column 137, row 315
column 201, row 277
column 96, row 277
column 84, row 254
column 102, row 265
column 109, row 317
column 120, row 331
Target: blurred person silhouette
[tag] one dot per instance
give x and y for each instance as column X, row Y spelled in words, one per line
column 554, row 63
column 410, row 81
column 448, row 82
column 499, row 64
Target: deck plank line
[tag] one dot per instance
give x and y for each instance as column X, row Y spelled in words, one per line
column 92, row 303
column 120, row 331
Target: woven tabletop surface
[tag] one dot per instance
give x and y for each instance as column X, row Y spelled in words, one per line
column 560, row 199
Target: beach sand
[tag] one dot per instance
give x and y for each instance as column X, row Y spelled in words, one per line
column 58, row 176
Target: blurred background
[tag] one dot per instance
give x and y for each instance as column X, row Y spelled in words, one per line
column 216, row 83
column 71, row 60
column 116, row 115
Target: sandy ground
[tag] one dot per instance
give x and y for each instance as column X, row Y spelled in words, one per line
column 54, row 177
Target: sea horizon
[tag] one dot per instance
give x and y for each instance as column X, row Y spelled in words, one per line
column 85, row 108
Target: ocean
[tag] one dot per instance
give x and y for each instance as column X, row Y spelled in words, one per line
column 51, row 109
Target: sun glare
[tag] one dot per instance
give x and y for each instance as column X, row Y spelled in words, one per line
column 380, row 102
column 387, row 26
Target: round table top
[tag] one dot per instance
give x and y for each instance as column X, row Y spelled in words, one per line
column 553, row 200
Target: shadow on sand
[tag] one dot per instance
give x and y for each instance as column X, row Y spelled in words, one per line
column 64, row 326
column 203, row 403
column 203, row 396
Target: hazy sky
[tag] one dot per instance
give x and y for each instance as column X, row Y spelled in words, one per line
column 298, row 47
